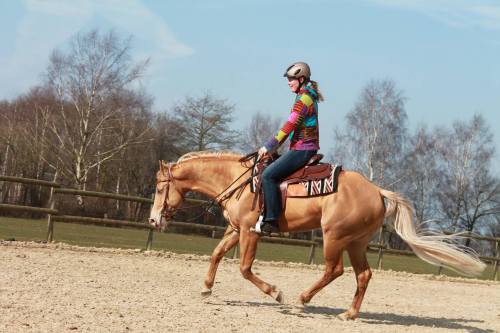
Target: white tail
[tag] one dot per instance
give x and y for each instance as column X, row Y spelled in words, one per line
column 436, row 249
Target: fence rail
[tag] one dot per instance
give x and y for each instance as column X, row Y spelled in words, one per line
column 99, row 221
column 104, row 195
column 28, row 209
column 53, row 216
column 29, row 181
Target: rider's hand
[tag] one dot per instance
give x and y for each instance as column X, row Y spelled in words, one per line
column 262, row 151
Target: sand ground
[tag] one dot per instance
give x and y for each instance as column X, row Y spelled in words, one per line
column 60, row 288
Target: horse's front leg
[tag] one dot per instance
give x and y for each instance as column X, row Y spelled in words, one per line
column 229, row 240
column 248, row 249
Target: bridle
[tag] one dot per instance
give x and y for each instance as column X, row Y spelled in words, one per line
column 168, row 212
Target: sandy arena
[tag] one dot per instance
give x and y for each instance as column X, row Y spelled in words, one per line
column 60, row 288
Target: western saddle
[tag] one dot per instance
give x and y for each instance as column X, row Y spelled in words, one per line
column 313, row 170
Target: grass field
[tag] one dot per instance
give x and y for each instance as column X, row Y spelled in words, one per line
column 98, row 236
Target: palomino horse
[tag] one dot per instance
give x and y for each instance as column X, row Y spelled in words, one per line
column 348, row 219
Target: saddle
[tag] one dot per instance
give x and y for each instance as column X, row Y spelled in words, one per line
column 313, row 179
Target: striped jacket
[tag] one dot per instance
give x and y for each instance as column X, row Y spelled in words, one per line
column 302, row 125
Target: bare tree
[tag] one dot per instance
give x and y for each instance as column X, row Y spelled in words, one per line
column 88, row 80
column 494, row 224
column 23, row 129
column 168, row 144
column 372, row 141
column 261, row 128
column 421, row 173
column 205, row 123
column 419, row 179
column 7, row 137
column 468, row 192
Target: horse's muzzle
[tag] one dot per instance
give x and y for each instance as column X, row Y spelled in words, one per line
column 155, row 223
column 160, row 224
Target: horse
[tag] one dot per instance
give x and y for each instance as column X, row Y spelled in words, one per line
column 348, row 219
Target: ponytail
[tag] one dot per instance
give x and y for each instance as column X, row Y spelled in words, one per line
column 315, row 86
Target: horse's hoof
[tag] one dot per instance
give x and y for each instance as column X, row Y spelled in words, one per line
column 301, row 307
column 302, row 302
column 346, row 316
column 280, row 298
column 206, row 292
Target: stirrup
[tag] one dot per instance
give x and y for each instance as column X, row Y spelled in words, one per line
column 258, row 225
column 265, row 228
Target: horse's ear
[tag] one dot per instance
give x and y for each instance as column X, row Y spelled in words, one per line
column 161, row 165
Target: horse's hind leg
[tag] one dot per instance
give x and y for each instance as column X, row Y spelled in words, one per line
column 229, row 240
column 357, row 255
column 334, row 267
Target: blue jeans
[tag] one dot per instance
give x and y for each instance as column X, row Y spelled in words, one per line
column 284, row 166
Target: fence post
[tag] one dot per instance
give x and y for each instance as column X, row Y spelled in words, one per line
column 310, row 261
column 149, row 243
column 50, row 223
column 495, row 266
column 440, row 268
column 312, row 251
column 380, row 249
column 236, row 251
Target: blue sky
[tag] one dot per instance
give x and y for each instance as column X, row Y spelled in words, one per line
column 444, row 54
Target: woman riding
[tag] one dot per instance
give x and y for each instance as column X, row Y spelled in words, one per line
column 302, row 128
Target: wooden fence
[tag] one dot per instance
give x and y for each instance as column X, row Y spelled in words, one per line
column 313, row 244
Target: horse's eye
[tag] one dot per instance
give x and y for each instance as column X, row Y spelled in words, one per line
column 159, row 190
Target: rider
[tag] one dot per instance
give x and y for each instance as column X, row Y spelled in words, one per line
column 302, row 128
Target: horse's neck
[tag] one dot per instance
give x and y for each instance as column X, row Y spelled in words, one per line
column 209, row 177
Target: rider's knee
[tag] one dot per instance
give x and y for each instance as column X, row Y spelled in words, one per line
column 266, row 176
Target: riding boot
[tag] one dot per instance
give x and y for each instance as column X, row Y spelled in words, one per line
column 266, row 227
column 270, row 227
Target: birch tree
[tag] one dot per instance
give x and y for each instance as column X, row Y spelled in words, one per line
column 469, row 193
column 373, row 138
column 87, row 79
column 7, row 135
column 421, row 173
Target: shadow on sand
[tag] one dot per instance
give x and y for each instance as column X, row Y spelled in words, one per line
column 370, row 317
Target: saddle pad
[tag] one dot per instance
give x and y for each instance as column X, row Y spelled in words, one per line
column 306, row 188
column 312, row 188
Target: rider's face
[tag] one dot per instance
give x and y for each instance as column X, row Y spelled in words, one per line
column 293, row 84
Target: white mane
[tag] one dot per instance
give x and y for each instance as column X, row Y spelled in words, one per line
column 208, row 153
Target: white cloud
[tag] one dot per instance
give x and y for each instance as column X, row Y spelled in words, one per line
column 134, row 17
column 490, row 16
column 456, row 13
column 48, row 24
column 58, row 8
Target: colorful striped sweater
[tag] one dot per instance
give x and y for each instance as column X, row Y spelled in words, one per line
column 302, row 125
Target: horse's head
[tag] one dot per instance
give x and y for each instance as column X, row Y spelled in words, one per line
column 167, row 197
